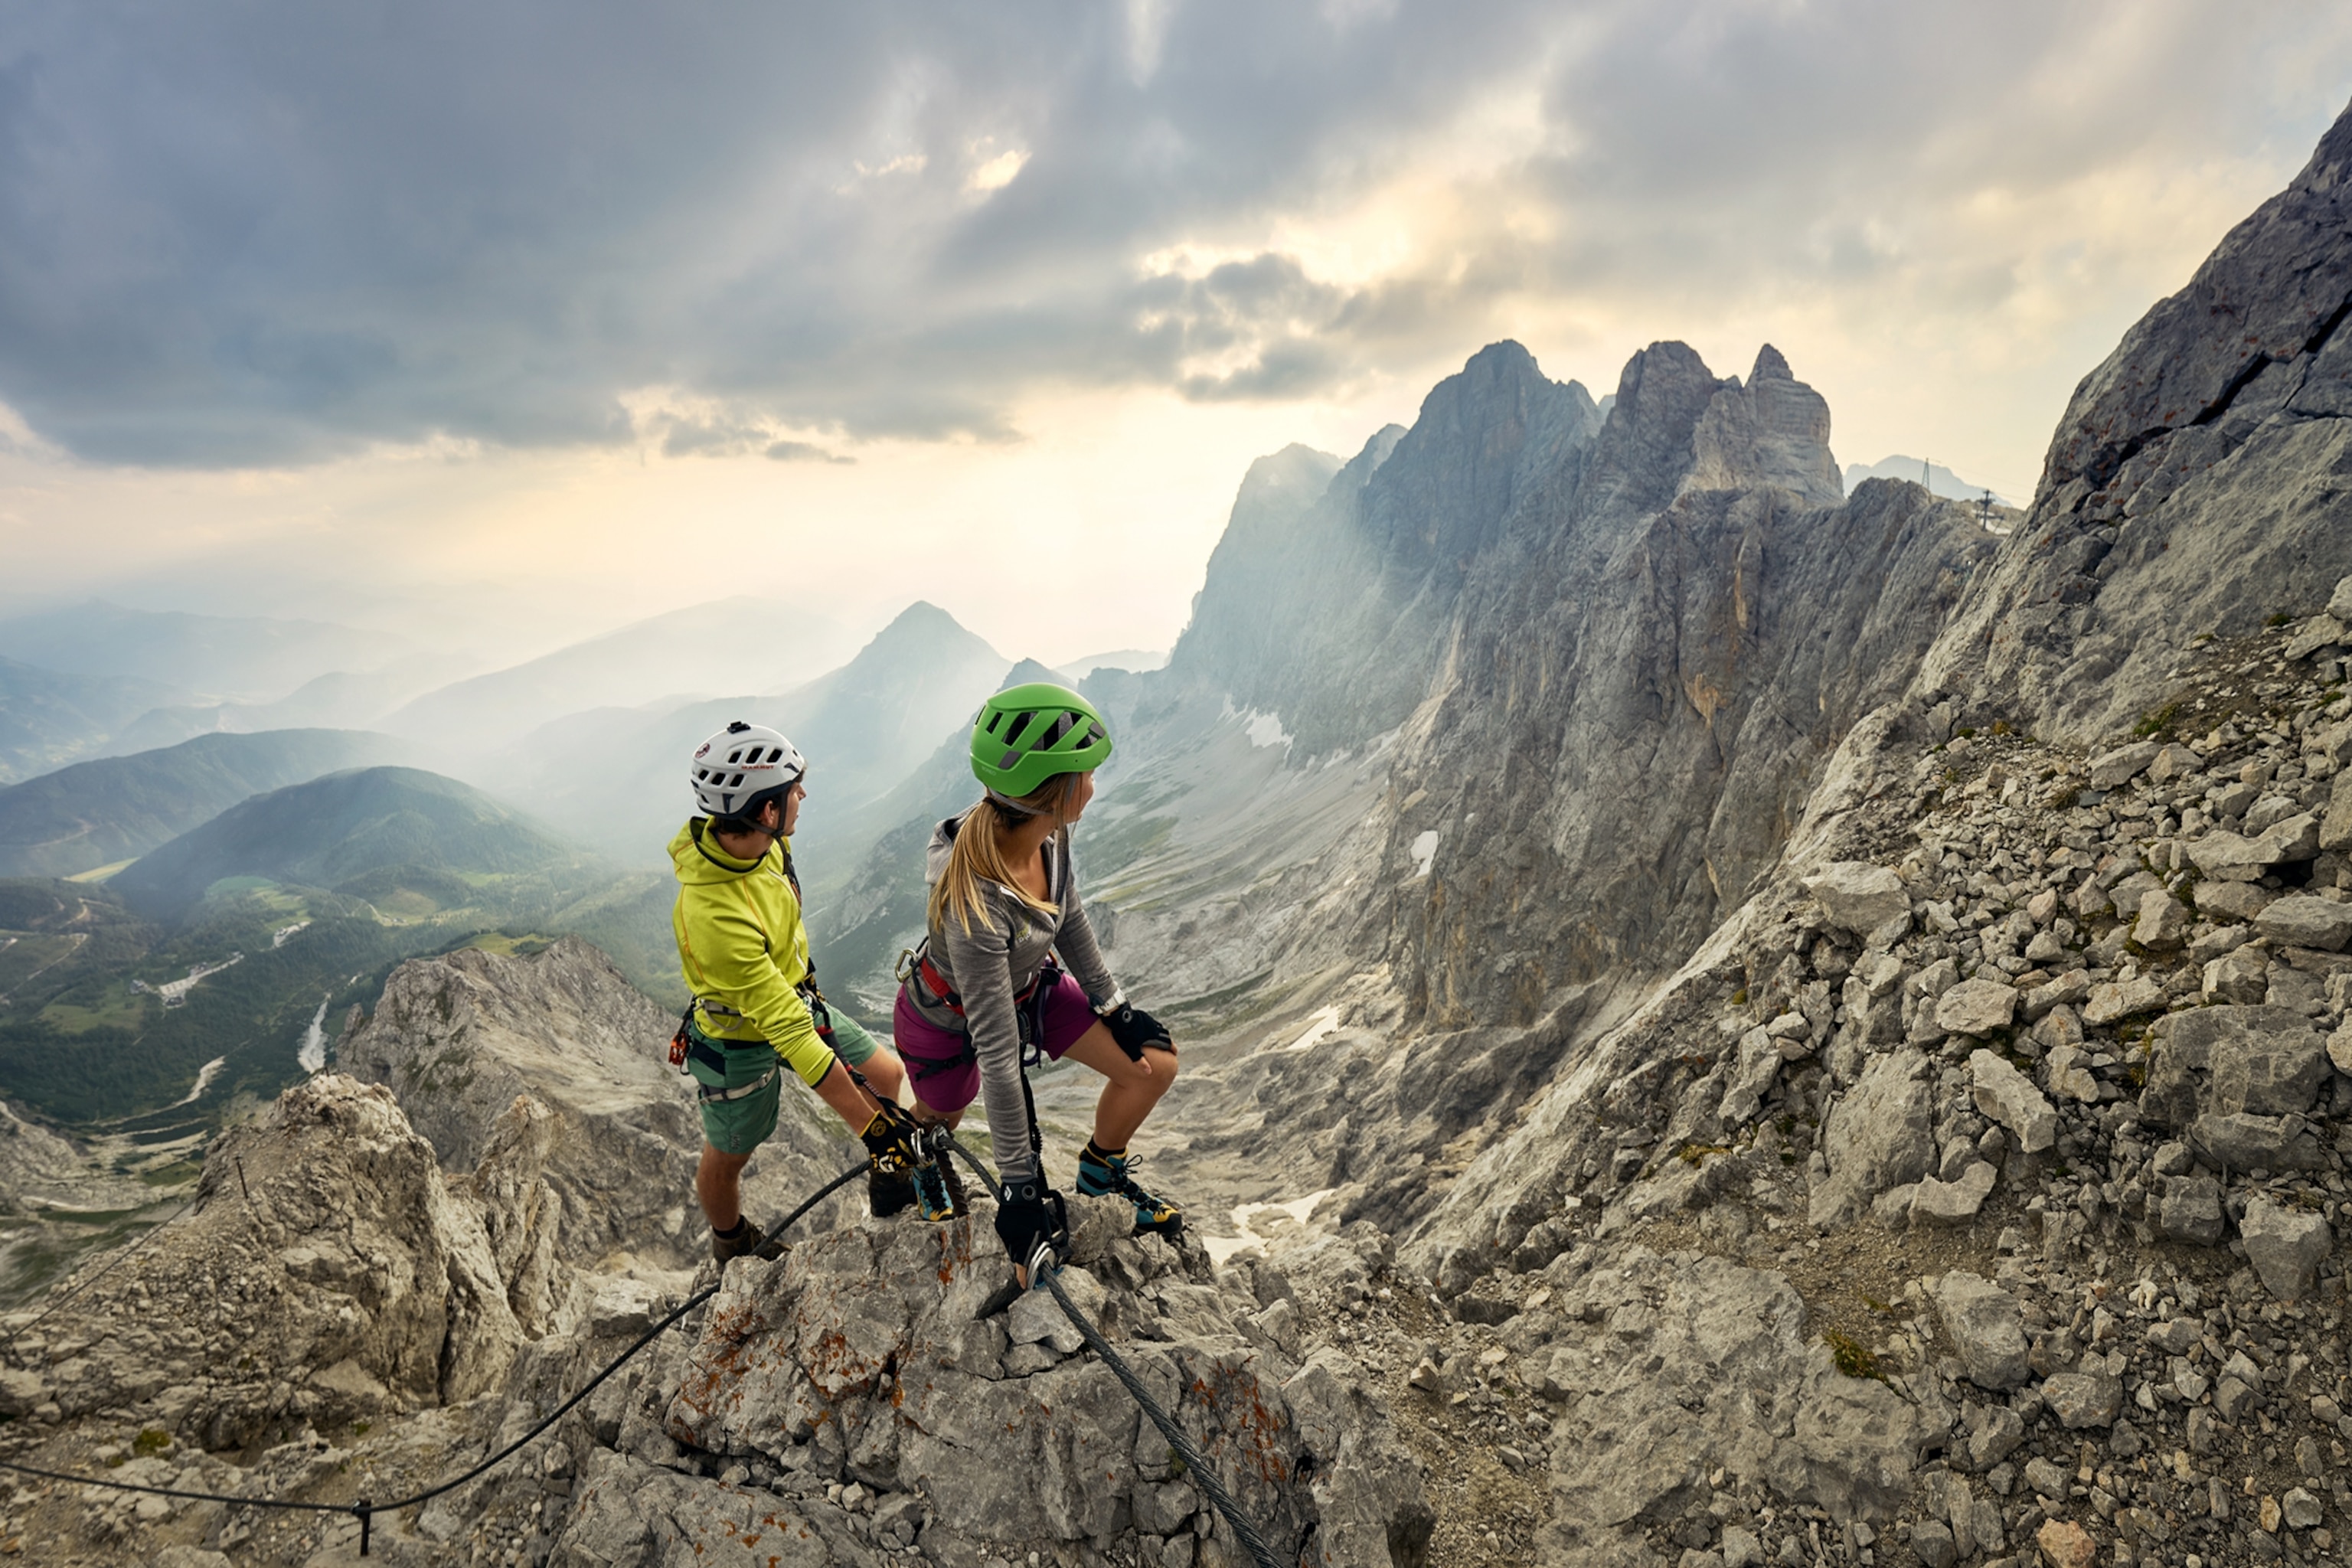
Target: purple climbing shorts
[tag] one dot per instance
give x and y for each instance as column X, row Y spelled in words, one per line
column 946, row 1073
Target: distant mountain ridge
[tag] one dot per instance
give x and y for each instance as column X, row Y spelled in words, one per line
column 245, row 657
column 1939, row 480
column 353, row 831
column 726, row 644
column 617, row 778
column 50, row 717
column 96, row 813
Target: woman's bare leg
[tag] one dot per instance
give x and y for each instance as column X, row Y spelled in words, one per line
column 1133, row 1087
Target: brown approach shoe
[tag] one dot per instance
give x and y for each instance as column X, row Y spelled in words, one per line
column 749, row 1242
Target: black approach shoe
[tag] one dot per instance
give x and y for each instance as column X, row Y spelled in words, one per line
column 888, row 1191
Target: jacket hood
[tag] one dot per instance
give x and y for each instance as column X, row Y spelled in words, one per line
column 700, row 865
column 935, row 857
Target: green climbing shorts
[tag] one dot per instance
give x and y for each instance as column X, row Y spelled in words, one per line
column 739, row 1126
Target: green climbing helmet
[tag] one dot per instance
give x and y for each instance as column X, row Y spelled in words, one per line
column 1026, row 734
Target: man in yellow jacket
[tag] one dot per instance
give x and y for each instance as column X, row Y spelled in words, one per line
column 745, row 956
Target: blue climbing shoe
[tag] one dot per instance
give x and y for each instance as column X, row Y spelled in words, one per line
column 1102, row 1175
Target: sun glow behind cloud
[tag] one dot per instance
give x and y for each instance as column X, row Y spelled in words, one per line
column 1028, row 294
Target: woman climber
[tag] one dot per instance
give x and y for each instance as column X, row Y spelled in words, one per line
column 745, row 956
column 982, row 998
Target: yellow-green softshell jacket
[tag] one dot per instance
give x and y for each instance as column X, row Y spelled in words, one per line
column 741, row 944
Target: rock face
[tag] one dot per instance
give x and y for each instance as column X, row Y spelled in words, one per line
column 2237, row 1081
column 328, row 1272
column 460, row 1037
column 1879, row 1137
column 2183, row 485
column 864, row 1349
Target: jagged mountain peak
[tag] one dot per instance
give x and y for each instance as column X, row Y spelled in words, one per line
column 1771, row 365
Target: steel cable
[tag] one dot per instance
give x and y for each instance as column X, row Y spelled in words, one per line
column 132, row 1251
column 1196, row 1466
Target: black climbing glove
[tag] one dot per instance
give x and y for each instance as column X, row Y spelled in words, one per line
column 1031, row 1218
column 893, row 1140
column 1134, row 1029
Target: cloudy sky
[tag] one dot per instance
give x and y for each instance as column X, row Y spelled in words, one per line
column 515, row 319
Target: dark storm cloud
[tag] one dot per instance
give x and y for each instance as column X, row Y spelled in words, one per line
column 266, row 233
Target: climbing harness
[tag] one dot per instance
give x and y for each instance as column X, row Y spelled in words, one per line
column 915, row 968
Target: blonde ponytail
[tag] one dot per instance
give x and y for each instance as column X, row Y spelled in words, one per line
column 977, row 856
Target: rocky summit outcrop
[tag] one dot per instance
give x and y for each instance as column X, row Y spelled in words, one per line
column 335, row 1320
column 873, row 1388
column 460, row 1037
column 328, row 1273
column 2193, row 487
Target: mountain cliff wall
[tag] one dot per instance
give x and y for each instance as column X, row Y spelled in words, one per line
column 2196, row 484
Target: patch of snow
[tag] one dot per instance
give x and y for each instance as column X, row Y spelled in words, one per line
column 1265, row 729
column 1298, row 1211
column 312, row 1056
column 211, row 1071
column 1325, row 1019
column 1423, row 850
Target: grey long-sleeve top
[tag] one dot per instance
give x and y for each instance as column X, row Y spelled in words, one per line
column 989, row 965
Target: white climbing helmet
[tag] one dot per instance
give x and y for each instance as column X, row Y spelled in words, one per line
column 741, row 762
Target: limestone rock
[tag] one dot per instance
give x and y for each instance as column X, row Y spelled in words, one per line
column 2008, row 1097
column 2162, row 925
column 1858, row 896
column 2231, row 858
column 1773, row 431
column 2336, row 827
column 2231, row 901
column 2265, row 1061
column 1982, row 1323
column 2319, row 632
column 2190, row 1210
column 1879, row 1136
column 2151, row 513
column 2241, row 978
column 1651, row 1425
column 1976, row 1007
column 2066, row 1070
column 2285, row 1245
column 1760, row 1063
column 1936, row 1204
column 2339, row 1050
column 796, row 1359
column 2125, row 763
column 2083, row 1399
column 2121, row 999
column 326, row 1242
column 2304, row 920
column 2063, row 1544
